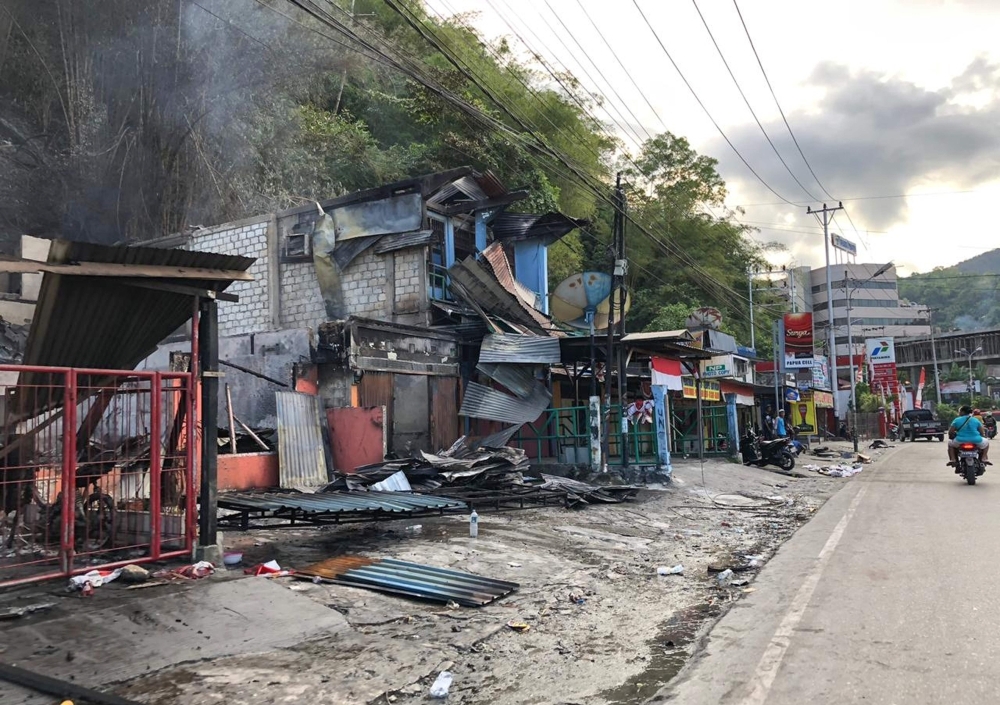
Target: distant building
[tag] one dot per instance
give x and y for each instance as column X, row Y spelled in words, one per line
column 876, row 308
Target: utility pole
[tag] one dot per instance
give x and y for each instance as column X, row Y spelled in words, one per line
column 615, row 299
column 753, row 340
column 937, row 377
column 827, row 215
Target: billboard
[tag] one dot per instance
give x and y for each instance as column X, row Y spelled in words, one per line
column 718, row 366
column 804, row 414
column 881, row 355
column 845, row 245
column 798, row 341
column 821, row 372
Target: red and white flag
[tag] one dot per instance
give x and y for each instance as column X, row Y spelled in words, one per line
column 918, row 403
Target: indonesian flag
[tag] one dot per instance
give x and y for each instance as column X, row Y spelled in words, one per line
column 920, row 388
column 667, row 373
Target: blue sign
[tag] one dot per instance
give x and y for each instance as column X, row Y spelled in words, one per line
column 744, row 351
column 791, row 395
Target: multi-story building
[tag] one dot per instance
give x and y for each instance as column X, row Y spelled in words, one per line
column 876, row 307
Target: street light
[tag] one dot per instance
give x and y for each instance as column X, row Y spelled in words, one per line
column 850, row 346
column 965, row 353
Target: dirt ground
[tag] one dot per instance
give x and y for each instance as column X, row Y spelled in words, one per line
column 632, row 631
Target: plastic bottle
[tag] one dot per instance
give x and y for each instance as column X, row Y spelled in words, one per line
column 473, row 524
column 441, row 684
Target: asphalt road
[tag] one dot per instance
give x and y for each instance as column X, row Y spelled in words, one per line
column 888, row 596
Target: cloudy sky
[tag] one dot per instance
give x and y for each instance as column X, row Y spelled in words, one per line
column 885, row 98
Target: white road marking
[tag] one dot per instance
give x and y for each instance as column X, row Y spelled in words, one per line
column 774, row 654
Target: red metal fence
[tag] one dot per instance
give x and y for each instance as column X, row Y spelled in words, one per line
column 96, row 470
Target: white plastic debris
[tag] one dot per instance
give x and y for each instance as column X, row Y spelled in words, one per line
column 725, row 578
column 754, row 561
column 95, row 578
column 676, row 570
column 441, row 685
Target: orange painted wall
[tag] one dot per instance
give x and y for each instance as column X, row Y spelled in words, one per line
column 247, row 471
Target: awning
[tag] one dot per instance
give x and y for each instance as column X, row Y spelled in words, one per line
column 108, row 308
column 743, row 392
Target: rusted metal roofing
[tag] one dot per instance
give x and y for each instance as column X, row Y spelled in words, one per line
column 532, row 349
column 301, row 455
column 109, row 322
column 477, row 286
column 400, row 241
column 500, row 264
column 410, row 579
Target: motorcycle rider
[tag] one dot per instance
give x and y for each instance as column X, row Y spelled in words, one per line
column 966, row 428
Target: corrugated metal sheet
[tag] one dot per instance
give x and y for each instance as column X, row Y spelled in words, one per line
column 500, row 264
column 482, row 402
column 549, row 227
column 411, row 579
column 508, row 347
column 390, row 243
column 401, row 213
column 462, row 189
column 301, row 457
column 517, row 378
column 376, row 390
column 347, row 251
column 102, row 322
column 478, row 285
column 340, row 502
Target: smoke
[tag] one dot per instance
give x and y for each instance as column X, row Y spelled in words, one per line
column 153, row 115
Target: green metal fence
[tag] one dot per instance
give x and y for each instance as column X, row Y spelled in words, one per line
column 563, row 435
column 684, row 430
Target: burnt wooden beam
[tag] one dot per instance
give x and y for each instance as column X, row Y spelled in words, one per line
column 59, row 688
column 113, row 269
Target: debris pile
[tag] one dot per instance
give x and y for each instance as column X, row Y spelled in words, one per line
column 836, row 470
column 467, row 466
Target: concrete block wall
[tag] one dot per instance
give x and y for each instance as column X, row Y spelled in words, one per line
column 366, row 286
column 410, row 289
column 247, row 237
column 301, row 301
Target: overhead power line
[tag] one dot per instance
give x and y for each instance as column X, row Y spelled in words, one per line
column 778, row 104
column 739, row 88
column 705, row 109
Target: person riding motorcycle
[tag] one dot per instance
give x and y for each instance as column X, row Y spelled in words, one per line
column 966, row 428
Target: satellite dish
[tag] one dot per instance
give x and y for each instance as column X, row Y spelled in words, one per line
column 705, row 317
column 583, row 300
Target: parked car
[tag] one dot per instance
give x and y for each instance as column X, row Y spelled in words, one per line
column 920, row 423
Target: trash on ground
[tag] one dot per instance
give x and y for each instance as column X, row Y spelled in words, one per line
column 232, row 558
column 862, row 458
column 754, row 561
column 577, row 598
column 94, row 579
column 134, row 574
column 269, row 568
column 725, row 578
column 17, row 612
column 410, row 580
column 518, row 626
column 879, row 443
column 201, row 569
column 676, row 570
column 441, row 685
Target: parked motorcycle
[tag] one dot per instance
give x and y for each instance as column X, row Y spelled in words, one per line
column 970, row 463
column 760, row 453
column 893, row 432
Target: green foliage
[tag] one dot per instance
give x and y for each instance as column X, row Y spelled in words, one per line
column 946, row 413
column 965, row 301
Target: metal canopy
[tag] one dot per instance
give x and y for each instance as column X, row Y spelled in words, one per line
column 105, row 322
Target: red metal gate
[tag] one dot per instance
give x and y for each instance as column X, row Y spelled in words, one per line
column 96, row 470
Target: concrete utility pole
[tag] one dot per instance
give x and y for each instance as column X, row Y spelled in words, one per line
column 853, row 407
column 827, row 216
column 753, row 339
column 937, row 377
column 616, row 301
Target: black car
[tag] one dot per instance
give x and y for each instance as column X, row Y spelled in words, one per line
column 920, row 423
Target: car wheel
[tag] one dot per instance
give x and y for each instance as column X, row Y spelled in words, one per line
column 940, row 439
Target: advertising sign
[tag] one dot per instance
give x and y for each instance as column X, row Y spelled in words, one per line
column 798, row 341
column 804, row 414
column 821, row 372
column 845, row 245
column 823, row 400
column 718, row 366
column 882, row 359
